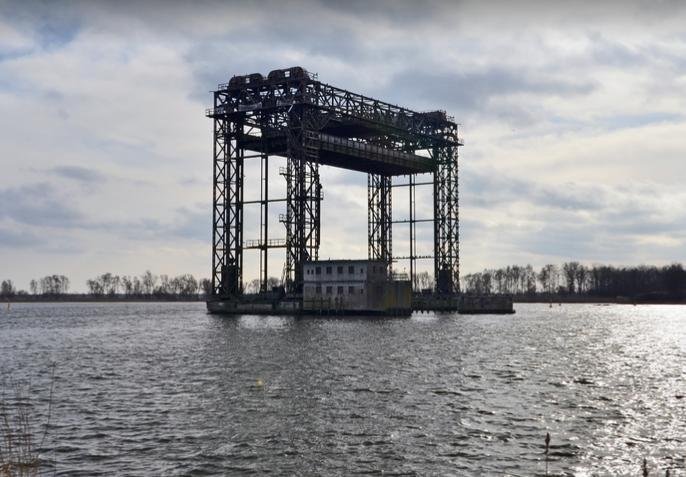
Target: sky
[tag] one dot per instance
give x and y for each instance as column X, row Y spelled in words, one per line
column 572, row 115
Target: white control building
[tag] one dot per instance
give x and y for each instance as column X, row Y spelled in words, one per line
column 354, row 286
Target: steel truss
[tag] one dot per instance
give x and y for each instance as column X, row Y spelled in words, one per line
column 303, row 197
column 446, row 218
column 379, row 218
column 227, row 245
column 291, row 114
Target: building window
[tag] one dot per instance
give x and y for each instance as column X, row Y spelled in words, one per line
column 340, row 270
column 328, row 270
column 318, row 290
column 329, row 290
column 318, row 271
column 351, row 290
column 340, row 290
column 361, row 270
column 351, row 270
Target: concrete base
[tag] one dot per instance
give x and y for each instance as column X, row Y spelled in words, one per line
column 269, row 305
column 486, row 305
column 286, row 307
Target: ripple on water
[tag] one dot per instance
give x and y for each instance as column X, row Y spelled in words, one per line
column 165, row 389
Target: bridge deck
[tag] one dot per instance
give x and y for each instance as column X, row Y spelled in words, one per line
column 347, row 154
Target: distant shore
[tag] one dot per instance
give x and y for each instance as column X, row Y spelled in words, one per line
column 85, row 298
column 539, row 298
column 600, row 300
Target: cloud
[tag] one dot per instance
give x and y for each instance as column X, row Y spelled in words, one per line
column 476, row 90
column 39, row 204
column 13, row 239
column 572, row 114
column 79, row 173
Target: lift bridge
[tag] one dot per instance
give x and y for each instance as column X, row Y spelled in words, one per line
column 291, row 114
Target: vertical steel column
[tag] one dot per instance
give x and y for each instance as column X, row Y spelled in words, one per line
column 303, row 198
column 413, row 232
column 446, row 217
column 313, row 191
column 379, row 218
column 219, row 235
column 292, row 210
column 227, row 228
column 264, row 217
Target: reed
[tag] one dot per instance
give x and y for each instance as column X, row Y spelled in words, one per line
column 20, row 437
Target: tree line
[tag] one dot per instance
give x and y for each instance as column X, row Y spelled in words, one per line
column 108, row 284
column 570, row 278
column 49, row 285
column 573, row 278
column 147, row 284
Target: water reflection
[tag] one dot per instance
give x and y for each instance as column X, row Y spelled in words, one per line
column 254, row 322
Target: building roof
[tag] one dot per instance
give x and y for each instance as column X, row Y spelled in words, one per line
column 342, row 260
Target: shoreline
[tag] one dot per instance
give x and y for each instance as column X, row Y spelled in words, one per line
column 598, row 300
column 109, row 299
column 548, row 299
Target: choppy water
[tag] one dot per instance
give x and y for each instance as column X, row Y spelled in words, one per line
column 166, row 389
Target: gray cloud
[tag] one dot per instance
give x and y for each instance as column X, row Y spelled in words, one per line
column 79, row 173
column 494, row 189
column 39, row 204
column 575, row 74
column 471, row 90
column 14, row 239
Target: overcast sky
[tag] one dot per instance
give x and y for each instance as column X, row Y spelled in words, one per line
column 572, row 115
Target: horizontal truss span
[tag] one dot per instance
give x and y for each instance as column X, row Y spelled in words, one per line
column 271, row 97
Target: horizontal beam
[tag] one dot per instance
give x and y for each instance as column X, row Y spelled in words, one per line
column 407, row 221
column 416, row 184
column 415, row 257
column 246, row 202
column 258, row 244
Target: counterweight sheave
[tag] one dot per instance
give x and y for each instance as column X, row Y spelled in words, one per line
column 290, row 113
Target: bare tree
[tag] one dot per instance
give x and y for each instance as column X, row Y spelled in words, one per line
column 206, row 286
column 581, row 277
column 253, row 286
column 137, row 286
column 127, row 285
column 424, row 280
column 529, row 279
column 185, row 285
column 569, row 271
column 7, row 289
column 148, row 281
column 95, row 287
column 549, row 277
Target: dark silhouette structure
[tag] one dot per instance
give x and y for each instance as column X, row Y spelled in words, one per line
column 290, row 113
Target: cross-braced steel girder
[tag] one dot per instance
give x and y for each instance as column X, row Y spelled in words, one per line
column 227, row 244
column 446, row 218
column 379, row 218
column 303, row 197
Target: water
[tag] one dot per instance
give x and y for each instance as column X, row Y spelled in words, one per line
column 164, row 388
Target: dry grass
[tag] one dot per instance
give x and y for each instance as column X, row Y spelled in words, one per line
column 20, row 437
